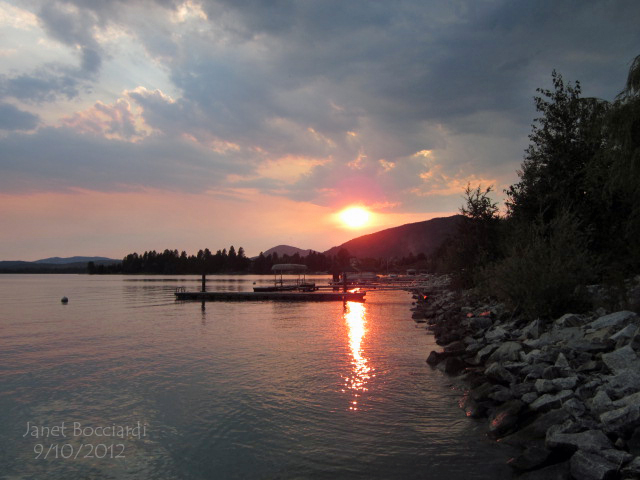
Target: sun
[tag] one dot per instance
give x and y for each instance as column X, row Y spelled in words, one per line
column 355, row 217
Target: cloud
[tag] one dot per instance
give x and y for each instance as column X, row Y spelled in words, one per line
column 12, row 118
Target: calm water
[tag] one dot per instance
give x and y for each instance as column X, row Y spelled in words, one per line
column 261, row 390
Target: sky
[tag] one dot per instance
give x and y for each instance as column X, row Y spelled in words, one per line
column 133, row 125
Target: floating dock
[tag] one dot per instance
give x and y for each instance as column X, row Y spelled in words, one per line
column 278, row 296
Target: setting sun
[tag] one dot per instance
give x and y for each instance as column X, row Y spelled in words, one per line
column 355, row 217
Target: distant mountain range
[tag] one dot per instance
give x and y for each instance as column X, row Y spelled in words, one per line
column 420, row 237
column 54, row 265
column 397, row 242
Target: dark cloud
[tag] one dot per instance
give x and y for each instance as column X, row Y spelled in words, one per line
column 43, row 85
column 65, row 159
column 357, row 86
column 12, row 118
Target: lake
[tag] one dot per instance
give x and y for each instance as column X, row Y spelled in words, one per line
column 124, row 382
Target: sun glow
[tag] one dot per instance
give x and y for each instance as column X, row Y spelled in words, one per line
column 355, row 217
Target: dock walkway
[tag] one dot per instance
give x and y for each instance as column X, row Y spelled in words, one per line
column 182, row 294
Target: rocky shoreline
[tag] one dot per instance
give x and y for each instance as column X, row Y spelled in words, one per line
column 567, row 391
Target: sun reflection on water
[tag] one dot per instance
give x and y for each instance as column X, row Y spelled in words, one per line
column 356, row 382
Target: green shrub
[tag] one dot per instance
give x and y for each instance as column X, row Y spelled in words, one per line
column 543, row 267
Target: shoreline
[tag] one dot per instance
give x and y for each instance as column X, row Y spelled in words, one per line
column 566, row 392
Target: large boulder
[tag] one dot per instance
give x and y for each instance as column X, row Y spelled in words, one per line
column 590, row 440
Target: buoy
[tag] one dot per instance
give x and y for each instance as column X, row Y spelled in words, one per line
column 64, row 300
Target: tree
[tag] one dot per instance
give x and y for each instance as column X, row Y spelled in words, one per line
column 565, row 138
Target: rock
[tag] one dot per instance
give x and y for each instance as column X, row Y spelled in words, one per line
column 508, row 351
column 621, row 420
column 482, row 392
column 634, row 442
column 495, row 334
column 453, row 365
column 587, row 465
column 530, row 397
column 621, row 359
column 632, row 470
column 555, row 385
column 601, row 402
column 532, row 457
column 485, row 352
column 590, row 440
column 616, row 456
column 537, row 430
column 568, row 320
column 499, row 374
column 532, row 330
column 562, row 362
column 478, row 323
column 623, row 383
column 633, row 399
column 575, row 407
column 505, row 418
column 472, row 408
column 500, row 394
column 616, row 318
column 548, row 401
column 559, row 471
column 625, row 334
column 434, row 358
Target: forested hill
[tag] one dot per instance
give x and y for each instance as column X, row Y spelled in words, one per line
column 397, row 242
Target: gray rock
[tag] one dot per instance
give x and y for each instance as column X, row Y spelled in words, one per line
column 562, row 362
column 501, row 394
column 549, row 401
column 625, row 334
column 529, row 398
column 623, row 383
column 532, row 330
column 558, row 471
column 532, row 357
column 621, row 420
column 538, row 429
column 532, row 457
column 568, row 320
column 575, row 407
column 616, row 456
column 632, row 470
column 484, row 353
column 601, row 402
column 499, row 374
column 505, row 418
column 590, row 440
column 495, row 334
column 633, row 399
column 616, row 318
column 587, row 465
column 508, row 351
column 478, row 323
column 621, row 359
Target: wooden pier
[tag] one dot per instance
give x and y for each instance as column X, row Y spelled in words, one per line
column 182, row 294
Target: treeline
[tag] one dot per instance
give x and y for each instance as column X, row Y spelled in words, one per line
column 574, row 216
column 172, row 262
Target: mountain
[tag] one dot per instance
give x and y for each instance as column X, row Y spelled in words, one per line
column 62, row 261
column 287, row 250
column 420, row 237
column 54, row 265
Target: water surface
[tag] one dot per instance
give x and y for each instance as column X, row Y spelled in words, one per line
column 260, row 390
